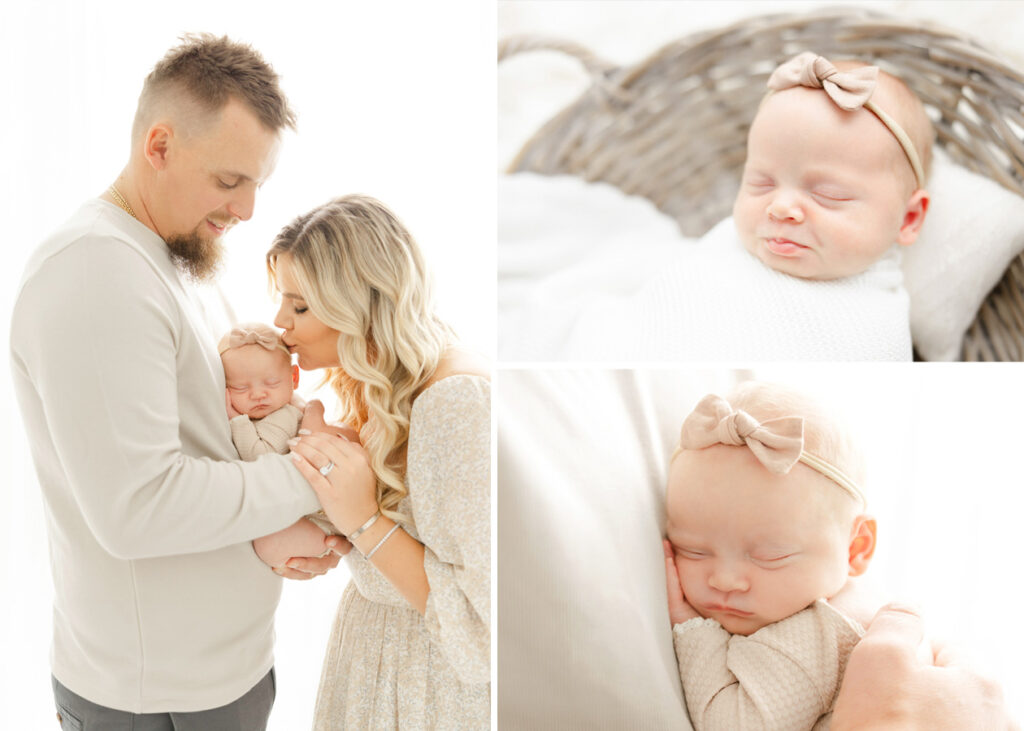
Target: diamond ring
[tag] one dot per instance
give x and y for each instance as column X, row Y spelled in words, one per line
column 326, row 469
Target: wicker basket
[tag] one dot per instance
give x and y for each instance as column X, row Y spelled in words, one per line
column 673, row 128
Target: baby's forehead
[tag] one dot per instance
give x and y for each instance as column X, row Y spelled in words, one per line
column 785, row 116
column 252, row 356
column 727, row 486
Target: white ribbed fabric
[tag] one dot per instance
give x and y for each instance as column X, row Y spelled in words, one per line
column 585, row 273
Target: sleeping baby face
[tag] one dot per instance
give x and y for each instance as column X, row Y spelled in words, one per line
column 259, row 381
column 824, row 192
column 753, row 547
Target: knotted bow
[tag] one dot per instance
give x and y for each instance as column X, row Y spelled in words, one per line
column 777, row 443
column 251, row 334
column 848, row 89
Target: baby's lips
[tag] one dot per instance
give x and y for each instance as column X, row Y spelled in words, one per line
column 784, row 247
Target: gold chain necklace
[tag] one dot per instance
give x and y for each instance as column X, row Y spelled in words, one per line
column 119, row 199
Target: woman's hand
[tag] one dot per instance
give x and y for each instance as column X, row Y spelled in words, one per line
column 679, row 610
column 313, row 421
column 348, row 492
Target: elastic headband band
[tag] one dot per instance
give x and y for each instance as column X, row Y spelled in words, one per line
column 849, row 90
column 251, row 333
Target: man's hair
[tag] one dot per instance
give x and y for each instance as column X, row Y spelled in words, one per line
column 208, row 71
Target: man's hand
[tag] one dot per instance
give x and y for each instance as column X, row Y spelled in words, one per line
column 887, row 685
column 679, row 610
column 301, row 551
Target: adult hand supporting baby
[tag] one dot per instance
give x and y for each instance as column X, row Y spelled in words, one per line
column 348, row 491
column 888, row 686
column 679, row 610
column 301, row 551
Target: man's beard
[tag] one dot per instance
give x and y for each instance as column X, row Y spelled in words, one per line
column 197, row 259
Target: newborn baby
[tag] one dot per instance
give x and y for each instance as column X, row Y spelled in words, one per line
column 833, row 185
column 833, row 177
column 264, row 413
column 765, row 524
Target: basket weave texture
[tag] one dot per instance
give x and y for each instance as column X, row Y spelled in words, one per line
column 673, row 127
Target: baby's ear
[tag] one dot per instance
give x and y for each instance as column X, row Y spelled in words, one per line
column 913, row 217
column 295, row 376
column 862, row 544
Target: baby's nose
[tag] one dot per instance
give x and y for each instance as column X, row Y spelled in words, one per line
column 727, row 578
column 785, row 207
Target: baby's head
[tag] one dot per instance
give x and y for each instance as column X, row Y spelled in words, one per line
column 258, row 369
column 762, row 530
column 826, row 191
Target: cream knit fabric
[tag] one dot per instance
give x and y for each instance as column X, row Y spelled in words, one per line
column 784, row 677
column 268, row 435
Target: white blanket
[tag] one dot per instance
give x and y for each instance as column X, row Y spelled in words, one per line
column 587, row 273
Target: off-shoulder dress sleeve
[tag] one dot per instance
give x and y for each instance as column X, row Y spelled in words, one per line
column 449, row 478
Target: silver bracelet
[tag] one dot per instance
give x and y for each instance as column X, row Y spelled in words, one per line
column 362, row 529
column 387, row 535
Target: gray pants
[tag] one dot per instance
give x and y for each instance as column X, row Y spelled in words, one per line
column 248, row 713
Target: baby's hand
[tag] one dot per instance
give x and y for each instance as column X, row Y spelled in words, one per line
column 230, row 409
column 313, row 421
column 679, row 610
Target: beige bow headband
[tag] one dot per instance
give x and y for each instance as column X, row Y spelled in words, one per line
column 253, row 333
column 848, row 89
column 778, row 443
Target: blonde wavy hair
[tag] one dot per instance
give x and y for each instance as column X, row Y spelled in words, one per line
column 361, row 273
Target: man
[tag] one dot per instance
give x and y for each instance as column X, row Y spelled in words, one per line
column 163, row 614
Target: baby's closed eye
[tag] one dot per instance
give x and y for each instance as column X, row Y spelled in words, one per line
column 773, row 559
column 757, row 182
column 829, row 194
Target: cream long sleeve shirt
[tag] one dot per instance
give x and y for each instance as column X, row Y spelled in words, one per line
column 784, row 677
column 160, row 602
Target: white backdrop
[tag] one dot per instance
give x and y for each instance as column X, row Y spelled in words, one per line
column 946, row 482
column 395, row 99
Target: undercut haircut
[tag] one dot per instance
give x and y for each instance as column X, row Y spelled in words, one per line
column 209, row 71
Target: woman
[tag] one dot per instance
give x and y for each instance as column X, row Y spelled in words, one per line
column 411, row 642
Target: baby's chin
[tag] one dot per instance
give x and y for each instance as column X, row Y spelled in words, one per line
column 738, row 625
column 260, row 411
column 808, row 266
